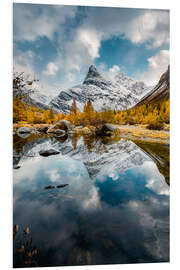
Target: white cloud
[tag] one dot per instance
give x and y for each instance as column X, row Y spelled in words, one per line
column 115, row 70
column 23, row 62
column 34, row 21
column 51, row 69
column 90, row 40
column 150, row 26
column 108, row 73
column 80, row 51
column 137, row 25
column 157, row 65
column 71, row 77
column 80, row 45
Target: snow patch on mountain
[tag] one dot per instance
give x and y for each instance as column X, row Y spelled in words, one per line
column 37, row 90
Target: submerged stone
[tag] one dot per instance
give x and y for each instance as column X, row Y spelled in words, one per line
column 49, row 152
column 63, row 185
column 49, row 187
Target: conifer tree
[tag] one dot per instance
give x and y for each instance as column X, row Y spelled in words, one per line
column 74, row 108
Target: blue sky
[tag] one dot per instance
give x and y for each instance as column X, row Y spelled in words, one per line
column 57, row 44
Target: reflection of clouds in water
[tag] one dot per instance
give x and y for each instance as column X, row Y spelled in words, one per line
column 152, row 219
column 60, row 170
column 53, row 175
column 125, row 216
column 155, row 180
column 28, row 171
column 92, row 202
column 114, row 175
column 110, row 173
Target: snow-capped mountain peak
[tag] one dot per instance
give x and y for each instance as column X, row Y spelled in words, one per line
column 119, row 93
column 92, row 75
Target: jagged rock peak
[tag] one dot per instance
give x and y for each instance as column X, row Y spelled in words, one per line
column 92, row 74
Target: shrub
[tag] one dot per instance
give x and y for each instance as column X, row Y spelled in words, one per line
column 155, row 126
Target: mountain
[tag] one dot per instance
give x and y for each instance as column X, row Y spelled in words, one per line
column 120, row 93
column 38, row 99
column 160, row 92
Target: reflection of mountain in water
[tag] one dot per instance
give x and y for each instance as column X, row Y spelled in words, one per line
column 23, row 147
column 66, row 224
column 120, row 156
column 97, row 156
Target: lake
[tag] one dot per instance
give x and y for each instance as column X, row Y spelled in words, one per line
column 112, row 206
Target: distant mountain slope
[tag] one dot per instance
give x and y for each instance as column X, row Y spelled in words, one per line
column 160, row 92
column 30, row 92
column 121, row 93
column 37, row 99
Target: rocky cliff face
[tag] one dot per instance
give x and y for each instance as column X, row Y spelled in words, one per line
column 120, row 93
column 160, row 92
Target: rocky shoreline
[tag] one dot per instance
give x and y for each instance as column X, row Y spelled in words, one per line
column 63, row 127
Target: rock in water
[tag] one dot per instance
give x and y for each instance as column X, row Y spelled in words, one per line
column 49, row 187
column 63, row 185
column 24, row 130
column 106, row 129
column 49, row 152
column 61, row 125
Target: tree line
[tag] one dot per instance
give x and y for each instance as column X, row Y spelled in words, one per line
column 144, row 114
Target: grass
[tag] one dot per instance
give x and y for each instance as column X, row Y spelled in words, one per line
column 143, row 133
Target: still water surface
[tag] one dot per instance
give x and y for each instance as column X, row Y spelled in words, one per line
column 114, row 210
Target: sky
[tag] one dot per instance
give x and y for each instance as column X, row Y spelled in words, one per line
column 56, row 44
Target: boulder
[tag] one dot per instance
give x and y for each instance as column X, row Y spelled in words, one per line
column 85, row 130
column 48, row 152
column 110, row 127
column 61, row 125
column 23, row 130
column 106, row 129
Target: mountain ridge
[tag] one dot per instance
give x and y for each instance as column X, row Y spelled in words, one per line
column 160, row 92
column 118, row 94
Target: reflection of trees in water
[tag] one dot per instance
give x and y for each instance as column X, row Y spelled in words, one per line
column 94, row 144
column 25, row 253
column 75, row 139
column 19, row 143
